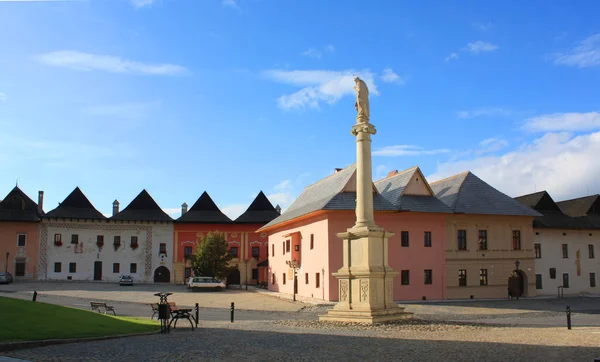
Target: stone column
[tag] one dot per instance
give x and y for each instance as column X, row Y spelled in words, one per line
column 366, row 289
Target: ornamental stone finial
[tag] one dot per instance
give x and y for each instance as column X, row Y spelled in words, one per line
column 362, row 101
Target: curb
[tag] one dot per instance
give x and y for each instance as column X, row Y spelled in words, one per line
column 12, row 346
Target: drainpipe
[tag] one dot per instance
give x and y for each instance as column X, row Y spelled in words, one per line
column 384, row 269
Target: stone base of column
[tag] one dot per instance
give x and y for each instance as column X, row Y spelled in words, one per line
column 366, row 289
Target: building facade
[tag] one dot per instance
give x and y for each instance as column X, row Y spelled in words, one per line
column 77, row 242
column 404, row 204
column 489, row 240
column 19, row 234
column 248, row 247
column 565, row 244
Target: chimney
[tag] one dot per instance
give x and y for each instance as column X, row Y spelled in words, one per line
column 392, row 173
column 115, row 207
column 336, row 170
column 278, row 209
column 40, row 202
column 183, row 208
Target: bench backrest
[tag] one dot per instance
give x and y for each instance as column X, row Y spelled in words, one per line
column 97, row 304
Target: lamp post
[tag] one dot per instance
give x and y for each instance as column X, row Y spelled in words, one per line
column 6, row 264
column 295, row 266
column 517, row 263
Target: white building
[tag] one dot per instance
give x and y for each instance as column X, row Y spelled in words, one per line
column 566, row 239
column 77, row 242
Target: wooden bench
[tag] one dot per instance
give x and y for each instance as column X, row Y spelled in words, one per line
column 101, row 305
column 154, row 306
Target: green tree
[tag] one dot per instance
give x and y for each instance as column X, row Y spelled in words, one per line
column 211, row 258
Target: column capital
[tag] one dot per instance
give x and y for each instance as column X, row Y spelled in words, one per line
column 363, row 127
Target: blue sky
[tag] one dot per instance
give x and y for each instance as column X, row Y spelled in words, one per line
column 238, row 96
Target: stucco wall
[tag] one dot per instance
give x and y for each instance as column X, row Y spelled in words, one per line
column 415, row 258
column 8, row 243
column 313, row 260
column 551, row 241
column 86, row 253
column 499, row 258
column 242, row 236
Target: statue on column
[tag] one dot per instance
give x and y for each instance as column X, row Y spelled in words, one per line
column 362, row 101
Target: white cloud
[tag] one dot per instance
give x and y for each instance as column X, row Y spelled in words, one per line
column 330, row 48
column 233, row 211
column 483, row 112
column 318, row 86
column 284, row 185
column 560, row 163
column 380, row 172
column 564, row 122
column 87, row 62
column 585, row 54
column 231, row 4
column 174, row 212
column 389, row 76
column 312, row 53
column 483, row 26
column 2, row 97
column 407, row 150
column 480, row 47
column 491, row 145
column 141, row 3
column 452, row 56
column 124, row 110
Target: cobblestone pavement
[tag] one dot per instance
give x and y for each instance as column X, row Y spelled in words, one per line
column 310, row 340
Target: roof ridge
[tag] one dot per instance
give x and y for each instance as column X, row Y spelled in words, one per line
column 449, row 177
column 333, row 174
column 398, row 173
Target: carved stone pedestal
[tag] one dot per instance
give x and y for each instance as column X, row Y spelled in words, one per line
column 366, row 290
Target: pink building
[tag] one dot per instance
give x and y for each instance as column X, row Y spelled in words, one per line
column 404, row 204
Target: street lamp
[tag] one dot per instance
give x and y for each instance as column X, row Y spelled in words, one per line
column 517, row 263
column 295, row 266
column 6, row 264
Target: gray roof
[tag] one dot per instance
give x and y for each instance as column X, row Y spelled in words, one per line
column 75, row 206
column 392, row 187
column 467, row 194
column 581, row 206
column 17, row 206
column 328, row 194
column 552, row 216
column 142, row 208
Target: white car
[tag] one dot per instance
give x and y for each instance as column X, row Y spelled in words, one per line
column 199, row 283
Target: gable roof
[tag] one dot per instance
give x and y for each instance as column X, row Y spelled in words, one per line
column 17, row 206
column 329, row 194
column 393, row 188
column 204, row 211
column 75, row 206
column 142, row 208
column 539, row 201
column 467, row 194
column 581, row 206
column 260, row 211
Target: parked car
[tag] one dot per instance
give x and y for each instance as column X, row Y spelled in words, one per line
column 6, row 278
column 126, row 280
column 199, row 283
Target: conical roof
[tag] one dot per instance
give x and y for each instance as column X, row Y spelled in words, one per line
column 260, row 211
column 204, row 211
column 75, row 206
column 142, row 208
column 17, row 206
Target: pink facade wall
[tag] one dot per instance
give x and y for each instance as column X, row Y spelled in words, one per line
column 326, row 256
column 314, row 261
column 9, row 232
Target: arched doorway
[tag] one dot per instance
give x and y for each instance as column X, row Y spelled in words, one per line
column 234, row 277
column 517, row 284
column 162, row 275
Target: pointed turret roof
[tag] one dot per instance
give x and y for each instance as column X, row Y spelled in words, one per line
column 204, row 211
column 17, row 206
column 466, row 193
column 142, row 208
column 260, row 211
column 75, row 206
column 581, row 206
column 540, row 201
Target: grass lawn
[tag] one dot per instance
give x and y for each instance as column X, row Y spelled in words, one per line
column 23, row 320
